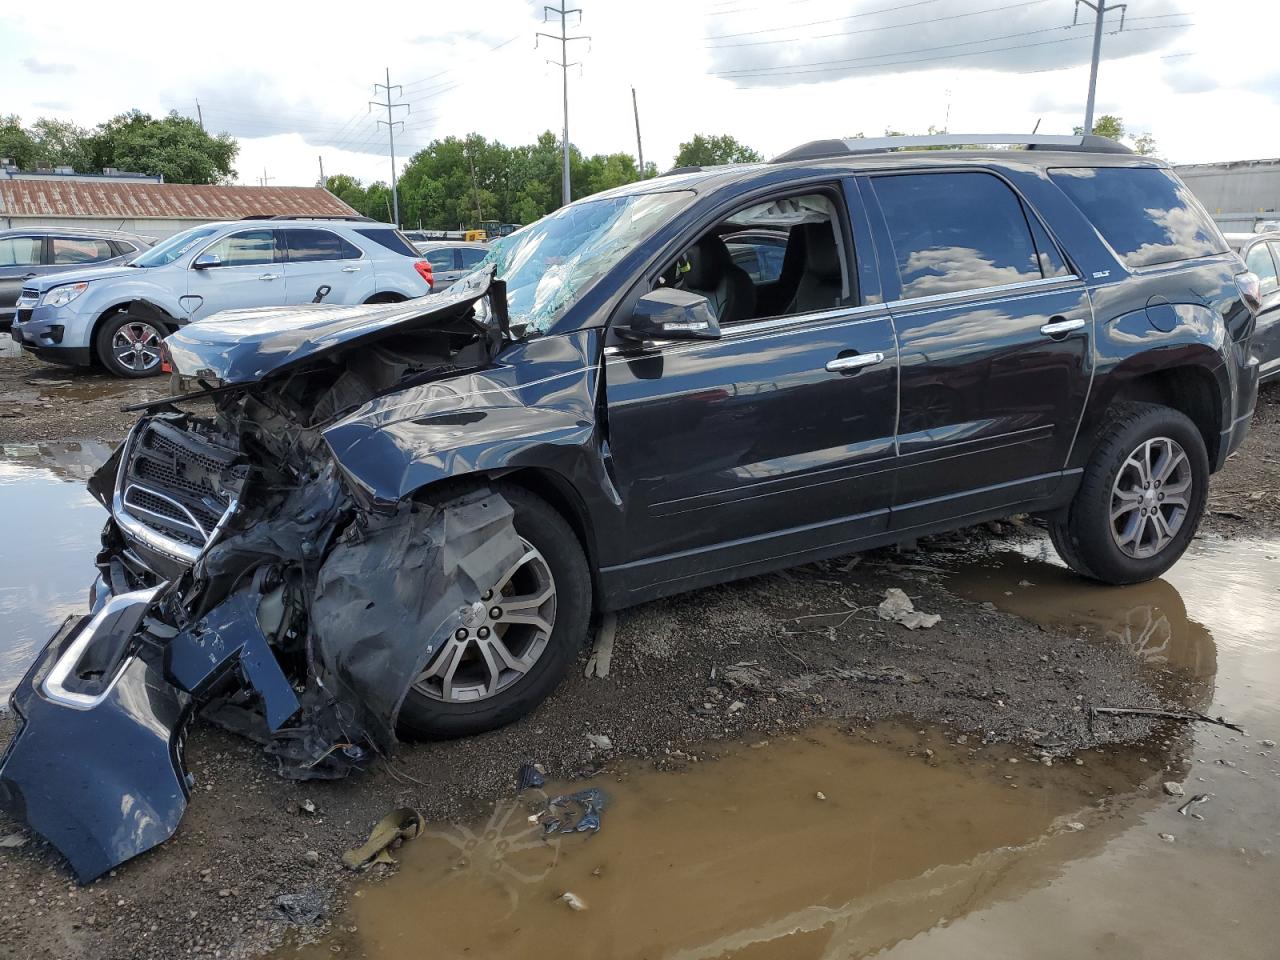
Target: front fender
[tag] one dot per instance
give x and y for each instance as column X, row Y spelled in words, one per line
column 535, row 407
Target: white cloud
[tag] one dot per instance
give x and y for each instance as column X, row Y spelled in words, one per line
column 293, row 85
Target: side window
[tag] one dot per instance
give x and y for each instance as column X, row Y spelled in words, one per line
column 1261, row 262
column 124, row 248
column 956, row 231
column 1146, row 214
column 20, row 252
column 306, row 246
column 251, row 248
column 471, row 256
column 441, row 258
column 742, row 286
column 78, row 250
column 1051, row 263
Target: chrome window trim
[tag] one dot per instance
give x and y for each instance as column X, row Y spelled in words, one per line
column 995, row 291
column 750, row 330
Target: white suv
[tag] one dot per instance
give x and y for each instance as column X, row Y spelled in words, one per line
column 116, row 316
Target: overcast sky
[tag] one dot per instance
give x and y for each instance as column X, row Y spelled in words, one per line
column 292, row 81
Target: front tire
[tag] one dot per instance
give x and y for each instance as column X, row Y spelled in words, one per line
column 1141, row 498
column 473, row 684
column 129, row 347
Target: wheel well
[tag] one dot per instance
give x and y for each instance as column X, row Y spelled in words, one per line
column 557, row 492
column 1189, row 390
column 170, row 324
column 387, row 296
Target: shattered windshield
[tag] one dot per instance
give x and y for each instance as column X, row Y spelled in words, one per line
column 547, row 264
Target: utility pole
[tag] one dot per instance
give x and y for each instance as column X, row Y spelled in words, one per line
column 1100, row 8
column 264, row 180
column 475, row 186
column 639, row 149
column 199, row 115
column 324, row 184
column 391, row 134
column 564, row 65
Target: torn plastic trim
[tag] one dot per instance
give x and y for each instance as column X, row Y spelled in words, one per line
column 117, row 618
column 101, row 781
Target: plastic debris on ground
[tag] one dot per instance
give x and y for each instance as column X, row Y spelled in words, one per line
column 897, row 606
column 398, row 825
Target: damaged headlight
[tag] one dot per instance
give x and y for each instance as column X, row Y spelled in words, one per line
column 61, row 296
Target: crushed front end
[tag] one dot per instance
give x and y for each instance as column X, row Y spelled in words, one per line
column 244, row 578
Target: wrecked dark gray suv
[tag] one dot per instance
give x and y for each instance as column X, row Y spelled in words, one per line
column 350, row 522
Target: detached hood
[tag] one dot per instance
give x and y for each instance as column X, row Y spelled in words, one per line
column 77, row 276
column 243, row 346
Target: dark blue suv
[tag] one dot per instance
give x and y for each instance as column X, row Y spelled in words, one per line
column 352, row 521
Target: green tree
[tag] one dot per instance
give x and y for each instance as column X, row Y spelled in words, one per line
column 1145, row 144
column 16, row 143
column 176, row 147
column 61, row 143
column 1106, row 125
column 706, row 150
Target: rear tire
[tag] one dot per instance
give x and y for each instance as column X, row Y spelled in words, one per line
column 1140, row 500
column 559, row 553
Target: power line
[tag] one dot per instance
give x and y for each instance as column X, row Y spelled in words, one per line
column 953, row 56
column 818, row 23
column 891, row 26
column 391, row 123
column 564, row 65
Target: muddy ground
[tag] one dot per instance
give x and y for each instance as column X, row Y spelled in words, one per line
column 749, row 660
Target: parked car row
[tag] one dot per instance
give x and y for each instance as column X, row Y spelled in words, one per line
column 47, row 251
column 116, row 314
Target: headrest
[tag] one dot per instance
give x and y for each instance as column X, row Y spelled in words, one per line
column 709, row 260
column 821, row 256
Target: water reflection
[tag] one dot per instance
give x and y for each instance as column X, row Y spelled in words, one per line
column 49, row 528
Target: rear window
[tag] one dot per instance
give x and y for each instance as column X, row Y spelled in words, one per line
column 1146, row 214
column 391, row 238
column 960, row 231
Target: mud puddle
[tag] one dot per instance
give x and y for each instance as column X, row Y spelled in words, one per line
column 926, row 844
column 49, row 527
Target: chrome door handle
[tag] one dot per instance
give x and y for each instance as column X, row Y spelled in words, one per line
column 1059, row 327
column 269, row 276
column 854, row 361
column 350, row 269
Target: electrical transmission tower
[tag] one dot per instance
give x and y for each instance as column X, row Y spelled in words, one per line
column 391, row 123
column 564, row 65
column 1100, row 9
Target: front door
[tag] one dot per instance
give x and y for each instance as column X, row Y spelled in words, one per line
column 775, row 440
column 994, row 333
column 247, row 272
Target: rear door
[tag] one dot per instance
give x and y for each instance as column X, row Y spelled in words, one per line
column 249, row 273
column 995, row 334
column 1262, row 259
column 316, row 258
column 20, row 260
column 775, row 440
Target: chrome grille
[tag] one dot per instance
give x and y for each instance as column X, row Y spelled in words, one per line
column 175, row 489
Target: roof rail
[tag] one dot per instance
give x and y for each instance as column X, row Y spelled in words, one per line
column 816, row 149
column 322, row 216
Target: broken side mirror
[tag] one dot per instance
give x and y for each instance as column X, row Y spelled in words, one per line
column 671, row 314
column 205, row 261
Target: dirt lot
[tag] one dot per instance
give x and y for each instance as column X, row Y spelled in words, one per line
column 752, row 660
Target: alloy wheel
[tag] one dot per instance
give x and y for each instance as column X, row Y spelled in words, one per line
column 136, row 346
column 1150, row 498
column 502, row 636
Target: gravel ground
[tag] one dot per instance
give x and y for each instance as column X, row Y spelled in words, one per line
column 752, row 659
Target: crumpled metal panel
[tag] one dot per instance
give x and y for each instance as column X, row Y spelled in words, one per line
column 382, row 584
